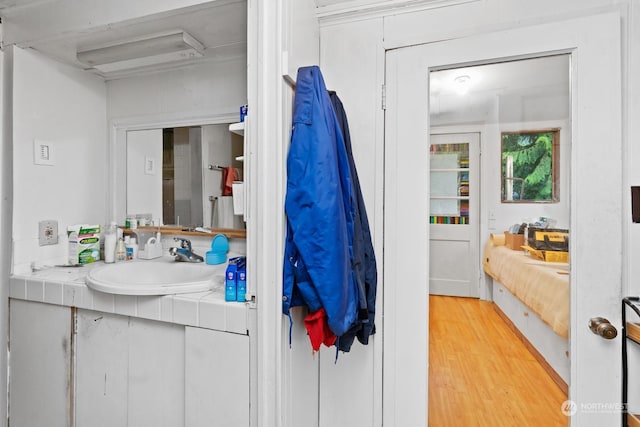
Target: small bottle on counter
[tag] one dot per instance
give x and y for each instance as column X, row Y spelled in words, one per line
column 128, row 248
column 121, row 251
column 133, row 244
column 110, row 238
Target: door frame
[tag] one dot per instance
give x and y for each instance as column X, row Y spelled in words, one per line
column 596, row 117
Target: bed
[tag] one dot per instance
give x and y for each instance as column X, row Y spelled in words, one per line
column 532, row 295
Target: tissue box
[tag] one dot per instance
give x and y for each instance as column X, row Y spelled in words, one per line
column 513, row 241
column 84, row 243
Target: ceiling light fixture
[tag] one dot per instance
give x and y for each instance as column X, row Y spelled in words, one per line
column 142, row 52
column 462, row 84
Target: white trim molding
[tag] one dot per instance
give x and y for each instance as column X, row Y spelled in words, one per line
column 364, row 9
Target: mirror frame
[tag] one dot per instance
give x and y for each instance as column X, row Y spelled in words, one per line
column 117, row 155
column 555, row 166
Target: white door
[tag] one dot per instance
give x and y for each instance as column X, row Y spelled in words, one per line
column 596, row 206
column 453, row 215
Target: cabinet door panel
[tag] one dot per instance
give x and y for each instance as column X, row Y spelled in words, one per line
column 156, row 374
column 40, row 362
column 216, row 379
column 101, row 369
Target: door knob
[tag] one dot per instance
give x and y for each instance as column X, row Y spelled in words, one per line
column 604, row 328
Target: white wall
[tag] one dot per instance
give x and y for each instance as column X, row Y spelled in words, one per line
column 343, row 64
column 67, row 107
column 320, row 391
column 210, row 88
column 144, row 183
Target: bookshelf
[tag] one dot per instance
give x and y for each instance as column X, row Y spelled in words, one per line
column 449, row 194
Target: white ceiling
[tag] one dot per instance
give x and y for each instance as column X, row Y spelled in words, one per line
column 221, row 27
column 516, row 91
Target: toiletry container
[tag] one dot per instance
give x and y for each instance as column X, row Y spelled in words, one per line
column 133, row 244
column 128, row 249
column 131, row 222
column 121, row 251
column 241, row 280
column 110, row 243
column 230, row 287
column 219, row 249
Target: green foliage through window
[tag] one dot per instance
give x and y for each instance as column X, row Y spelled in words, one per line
column 529, row 166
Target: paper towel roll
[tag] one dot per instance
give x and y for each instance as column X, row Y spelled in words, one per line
column 223, row 214
column 497, row 239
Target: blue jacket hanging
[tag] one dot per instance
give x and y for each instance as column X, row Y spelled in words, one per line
column 317, row 270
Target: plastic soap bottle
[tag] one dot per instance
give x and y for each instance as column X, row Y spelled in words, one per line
column 121, row 251
column 133, row 244
column 110, row 243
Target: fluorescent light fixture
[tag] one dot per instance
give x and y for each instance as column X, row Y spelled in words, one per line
column 142, row 52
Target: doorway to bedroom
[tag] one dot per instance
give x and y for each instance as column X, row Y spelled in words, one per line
column 596, row 118
column 499, row 157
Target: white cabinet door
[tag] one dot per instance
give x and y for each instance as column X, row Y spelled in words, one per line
column 216, row 379
column 156, row 374
column 101, row 369
column 129, row 371
column 40, row 365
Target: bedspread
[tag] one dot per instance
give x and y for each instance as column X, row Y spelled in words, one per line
column 541, row 286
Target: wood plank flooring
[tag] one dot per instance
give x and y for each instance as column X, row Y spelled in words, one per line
column 481, row 374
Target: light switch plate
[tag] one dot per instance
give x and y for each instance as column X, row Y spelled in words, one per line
column 43, row 152
column 48, row 232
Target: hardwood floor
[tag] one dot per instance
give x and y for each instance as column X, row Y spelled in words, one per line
column 480, row 374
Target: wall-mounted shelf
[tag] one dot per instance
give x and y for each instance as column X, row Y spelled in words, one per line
column 169, row 230
column 237, row 128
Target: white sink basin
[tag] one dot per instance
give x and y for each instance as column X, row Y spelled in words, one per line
column 157, row 277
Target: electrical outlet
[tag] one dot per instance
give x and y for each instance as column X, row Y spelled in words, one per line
column 48, row 232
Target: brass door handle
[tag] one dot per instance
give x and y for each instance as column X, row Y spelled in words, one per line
column 604, row 328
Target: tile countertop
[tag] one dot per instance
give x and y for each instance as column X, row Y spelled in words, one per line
column 66, row 286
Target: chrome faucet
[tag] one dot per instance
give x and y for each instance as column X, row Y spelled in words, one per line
column 184, row 253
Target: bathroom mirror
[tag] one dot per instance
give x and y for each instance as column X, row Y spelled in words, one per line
column 178, row 175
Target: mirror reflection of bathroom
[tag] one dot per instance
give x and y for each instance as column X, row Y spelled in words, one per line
column 184, row 175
